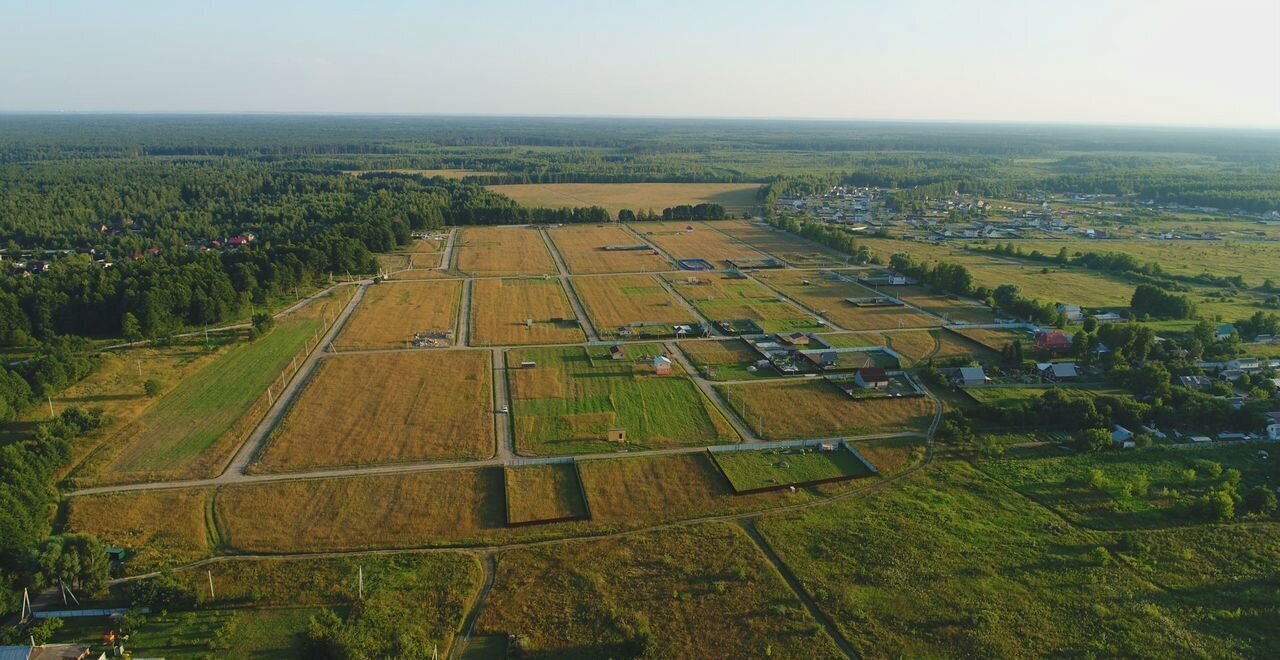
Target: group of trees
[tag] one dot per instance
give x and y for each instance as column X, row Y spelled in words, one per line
column 831, row 236
column 1149, row 300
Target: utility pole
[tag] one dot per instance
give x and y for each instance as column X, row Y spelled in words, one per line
column 210, row 574
column 360, row 582
column 49, row 398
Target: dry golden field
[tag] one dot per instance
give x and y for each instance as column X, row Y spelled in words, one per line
column 722, row 298
column 156, row 528
column 734, row 197
column 502, row 251
column 360, row 513
column 426, row 245
column 996, row 338
column 614, row 301
column 500, row 308
column 914, row 345
column 892, row 455
column 783, row 245
column 543, row 492
column 425, row 260
column 387, row 407
column 940, row 305
column 420, row 274
column 582, row 248
column 701, row 243
column 827, row 296
column 817, row 409
column 391, row 314
column 393, row 262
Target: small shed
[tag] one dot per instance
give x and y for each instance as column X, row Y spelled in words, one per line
column 1122, row 437
column 662, row 365
column 617, row 435
column 617, row 352
column 872, row 378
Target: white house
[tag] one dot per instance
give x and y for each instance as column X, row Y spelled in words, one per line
column 662, row 365
column 971, row 376
column 1073, row 313
column 1123, row 437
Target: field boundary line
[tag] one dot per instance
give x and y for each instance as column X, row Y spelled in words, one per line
column 657, row 248
column 745, row 434
column 791, row 299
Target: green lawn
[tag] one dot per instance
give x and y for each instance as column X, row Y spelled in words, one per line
column 751, row 470
column 227, row 633
column 568, row 403
column 1002, row 396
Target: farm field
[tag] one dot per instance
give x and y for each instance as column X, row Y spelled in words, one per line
column 952, row 309
column 701, row 243
column 776, row 468
column 582, row 248
column 723, row 298
column 1255, row 261
column 734, row 197
column 626, row 491
column 784, row 245
column 425, row 260
column 615, row 301
column 915, row 345
column 729, row 357
column 669, row 591
column 194, row 428
column 419, row 274
column 795, row 410
column 156, row 528
column 501, row 252
column 1076, row 286
column 391, row 314
column 543, row 492
column 500, row 309
column 996, row 339
column 574, row 396
column 391, row 407
column 827, row 295
column 1028, row 578
column 422, row 245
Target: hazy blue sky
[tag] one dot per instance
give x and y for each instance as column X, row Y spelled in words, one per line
column 1139, row 61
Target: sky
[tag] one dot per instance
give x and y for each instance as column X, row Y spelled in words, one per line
column 1164, row 62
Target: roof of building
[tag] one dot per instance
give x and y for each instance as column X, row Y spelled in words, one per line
column 973, row 373
column 873, row 374
column 1060, row 369
column 662, row 359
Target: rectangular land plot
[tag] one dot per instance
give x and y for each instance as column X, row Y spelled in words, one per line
column 425, row 260
column 437, row 508
column 616, row 301
column 702, row 242
column 723, row 298
column 155, row 528
column 771, row 469
column 543, row 494
column 996, row 339
column 828, row 296
column 726, row 359
column 915, row 345
column 500, row 310
column 801, row 410
column 586, row 250
column 568, row 402
column 502, row 251
column 734, row 197
column 388, row 407
column 781, row 244
column 953, row 309
column 392, row 314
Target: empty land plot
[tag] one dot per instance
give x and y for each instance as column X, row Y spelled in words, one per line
column 728, row 359
column 724, row 298
column 1254, row 260
column 702, row 242
column 501, row 310
column 827, row 295
column 426, row 260
column 194, row 430
column 784, row 245
column 362, row 513
column 420, row 274
column 387, row 407
column 734, row 197
column 156, row 528
column 502, row 251
column 689, row 586
column 394, row 262
column 817, row 409
column 914, row 345
column 892, row 455
column 778, row 468
column 584, row 250
column 426, row 245
column 538, row 493
column 1075, row 286
column 574, row 396
column 950, row 308
column 995, row 339
column 392, row 314
column 616, row 301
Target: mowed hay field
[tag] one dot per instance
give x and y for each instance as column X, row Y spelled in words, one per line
column 794, row 410
column 701, row 592
column 501, row 251
column 827, row 295
column 387, row 407
column 723, row 298
column 582, row 248
column 915, row 345
column 701, row 243
column 156, row 528
column 614, row 301
column 1074, row 286
column 570, row 400
column 425, row 260
column 952, row 309
column 500, row 308
column 543, row 492
column 781, row 244
column 734, row 197
column 391, row 314
column 362, row 513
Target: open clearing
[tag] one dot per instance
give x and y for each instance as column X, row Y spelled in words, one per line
column 614, row 301
column 425, row 260
column 734, row 197
column 501, row 252
column 583, row 250
column 826, row 294
column 795, row 410
column 781, row 244
column 702, row 242
column 996, row 339
column 391, row 314
column 777, row 468
column 377, row 408
column 950, row 308
column 156, row 529
column 721, row 297
column 670, row 592
column 1255, row 261
column 729, row 358
column 501, row 309
column 537, row 493
column 574, row 396
column 915, row 345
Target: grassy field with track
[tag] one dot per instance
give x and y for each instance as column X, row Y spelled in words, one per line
column 156, row 528
column 734, row 197
column 582, row 248
column 543, row 492
column 784, row 245
column 729, row 358
column 500, row 310
column 613, row 301
column 724, row 298
column 391, row 314
column 393, row 407
column 501, row 252
column 775, row 468
column 799, row 410
column 827, row 295
column 702, row 242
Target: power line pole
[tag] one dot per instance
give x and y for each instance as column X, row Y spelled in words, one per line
column 210, row 574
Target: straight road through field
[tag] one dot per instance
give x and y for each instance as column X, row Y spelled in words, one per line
column 461, row 334
column 446, row 259
column 829, row 323
column 664, row 253
column 502, row 402
column 712, row 395
column 569, row 291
